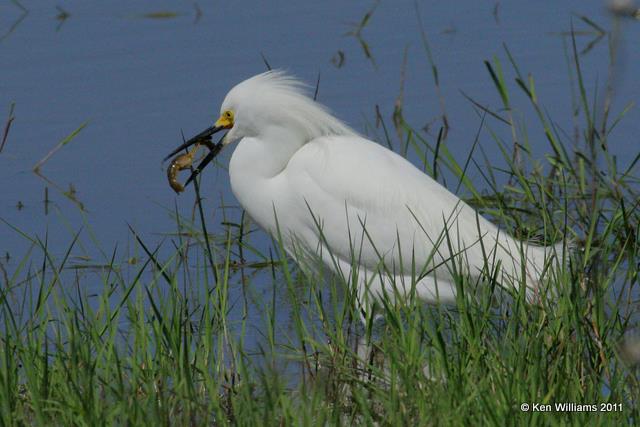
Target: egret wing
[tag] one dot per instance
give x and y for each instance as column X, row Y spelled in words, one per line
column 392, row 210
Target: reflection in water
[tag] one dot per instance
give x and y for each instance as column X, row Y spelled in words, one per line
column 61, row 17
column 356, row 32
column 167, row 14
column 444, row 130
column 161, row 15
column 595, row 31
column 7, row 126
column 71, row 192
column 17, row 22
column 624, row 9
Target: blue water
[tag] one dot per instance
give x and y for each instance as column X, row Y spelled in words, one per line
column 139, row 80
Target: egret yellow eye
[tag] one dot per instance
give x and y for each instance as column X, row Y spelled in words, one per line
column 225, row 120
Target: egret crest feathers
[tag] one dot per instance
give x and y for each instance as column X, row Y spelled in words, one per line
column 282, row 99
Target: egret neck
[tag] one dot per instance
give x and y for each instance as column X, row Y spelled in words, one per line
column 264, row 156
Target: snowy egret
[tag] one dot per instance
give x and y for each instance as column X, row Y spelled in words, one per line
column 367, row 213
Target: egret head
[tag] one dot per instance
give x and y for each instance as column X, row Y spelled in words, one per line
column 275, row 99
column 264, row 101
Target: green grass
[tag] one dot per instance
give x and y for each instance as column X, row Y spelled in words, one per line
column 171, row 338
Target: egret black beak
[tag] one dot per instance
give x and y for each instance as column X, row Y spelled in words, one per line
column 203, row 136
column 214, row 149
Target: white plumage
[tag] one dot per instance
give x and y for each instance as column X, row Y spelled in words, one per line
column 303, row 174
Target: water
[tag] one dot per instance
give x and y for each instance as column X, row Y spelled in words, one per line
column 139, row 79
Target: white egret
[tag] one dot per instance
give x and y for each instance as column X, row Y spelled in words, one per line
column 306, row 177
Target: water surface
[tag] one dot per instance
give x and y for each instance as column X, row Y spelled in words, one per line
column 140, row 73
